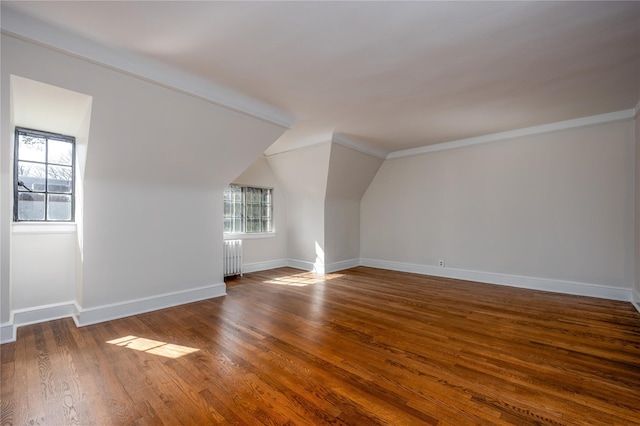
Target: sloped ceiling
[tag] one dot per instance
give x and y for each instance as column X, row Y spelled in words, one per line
column 387, row 75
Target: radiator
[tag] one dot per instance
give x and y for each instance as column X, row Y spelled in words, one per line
column 232, row 254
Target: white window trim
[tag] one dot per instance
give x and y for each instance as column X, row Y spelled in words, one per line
column 253, row 235
column 44, row 228
column 249, row 235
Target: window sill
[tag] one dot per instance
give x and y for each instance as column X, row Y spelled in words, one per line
column 44, row 228
column 250, row 236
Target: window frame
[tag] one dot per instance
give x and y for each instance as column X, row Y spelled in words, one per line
column 244, row 233
column 46, row 192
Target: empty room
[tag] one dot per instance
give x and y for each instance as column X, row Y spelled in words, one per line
column 319, row 212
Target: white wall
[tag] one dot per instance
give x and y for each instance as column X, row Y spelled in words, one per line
column 556, row 206
column 43, row 269
column 157, row 163
column 55, row 249
column 303, row 175
column 349, row 175
column 324, row 184
column 637, row 216
column 262, row 253
column 6, row 214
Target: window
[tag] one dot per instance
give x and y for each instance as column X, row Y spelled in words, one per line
column 43, row 177
column 247, row 209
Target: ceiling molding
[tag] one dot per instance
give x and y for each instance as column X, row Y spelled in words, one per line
column 358, row 146
column 28, row 29
column 298, row 145
column 527, row 131
column 336, row 138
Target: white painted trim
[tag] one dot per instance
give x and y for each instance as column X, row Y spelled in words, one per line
column 42, row 313
column 544, row 284
column 34, row 315
column 339, row 139
column 249, row 236
column 527, row 131
column 44, row 228
column 264, row 266
column 636, row 300
column 339, row 266
column 349, row 142
column 7, row 332
column 27, row 28
column 302, row 265
column 82, row 317
column 128, row 308
column 305, row 266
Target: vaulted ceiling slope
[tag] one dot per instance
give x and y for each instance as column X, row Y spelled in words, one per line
column 386, row 75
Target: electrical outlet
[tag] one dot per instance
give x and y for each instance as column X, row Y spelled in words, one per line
column 441, row 263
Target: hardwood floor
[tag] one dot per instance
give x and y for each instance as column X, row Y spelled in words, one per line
column 359, row 347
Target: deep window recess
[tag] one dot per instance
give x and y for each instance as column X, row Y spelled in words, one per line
column 247, row 210
column 44, row 176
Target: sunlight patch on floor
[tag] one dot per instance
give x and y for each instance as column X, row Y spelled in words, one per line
column 302, row 279
column 168, row 350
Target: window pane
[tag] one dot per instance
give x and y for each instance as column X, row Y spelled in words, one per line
column 247, row 209
column 58, row 207
column 32, row 148
column 60, row 152
column 266, row 212
column 32, row 175
column 30, row 206
column 253, row 225
column 238, row 224
column 44, row 175
column 251, row 211
column 59, row 179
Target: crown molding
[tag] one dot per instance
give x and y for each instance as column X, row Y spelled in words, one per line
column 358, row 146
column 338, row 139
column 29, row 29
column 527, row 131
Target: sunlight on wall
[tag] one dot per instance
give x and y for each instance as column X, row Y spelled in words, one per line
column 318, row 266
column 155, row 347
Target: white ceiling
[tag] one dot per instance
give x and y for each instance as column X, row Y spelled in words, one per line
column 387, row 75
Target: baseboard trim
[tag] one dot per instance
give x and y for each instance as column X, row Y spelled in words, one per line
column 636, row 300
column 263, row 266
column 7, row 332
column 305, row 266
column 322, row 268
column 544, row 284
column 88, row 316
column 83, row 317
column 339, row 266
column 34, row 315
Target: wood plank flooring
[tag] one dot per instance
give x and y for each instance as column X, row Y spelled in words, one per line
column 359, row 347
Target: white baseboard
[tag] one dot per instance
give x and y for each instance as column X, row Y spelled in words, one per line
column 36, row 314
column 339, row 266
column 103, row 313
column 319, row 268
column 636, row 300
column 556, row 286
column 263, row 266
column 7, row 332
column 83, row 317
column 128, row 308
column 305, row 266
